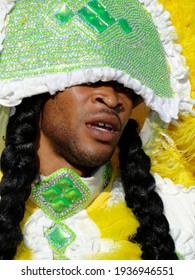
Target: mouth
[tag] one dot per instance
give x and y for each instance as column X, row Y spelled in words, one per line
column 104, row 128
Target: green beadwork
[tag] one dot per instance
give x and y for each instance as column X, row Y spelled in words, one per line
column 60, row 237
column 64, row 14
column 96, row 16
column 46, row 37
column 93, row 14
column 61, row 194
column 107, row 173
column 60, row 258
column 124, row 25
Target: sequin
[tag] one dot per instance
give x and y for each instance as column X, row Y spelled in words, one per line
column 55, row 38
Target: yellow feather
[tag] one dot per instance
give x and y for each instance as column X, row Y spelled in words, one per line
column 175, row 158
column 184, row 138
column 182, row 17
column 117, row 222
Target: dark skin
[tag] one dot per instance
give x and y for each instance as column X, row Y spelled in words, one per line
column 81, row 126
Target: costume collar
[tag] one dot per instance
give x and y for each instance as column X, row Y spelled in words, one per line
column 63, row 193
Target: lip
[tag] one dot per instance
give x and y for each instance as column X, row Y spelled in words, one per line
column 104, row 127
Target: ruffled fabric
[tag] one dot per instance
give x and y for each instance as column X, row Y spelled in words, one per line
column 34, row 238
column 179, row 207
column 168, row 108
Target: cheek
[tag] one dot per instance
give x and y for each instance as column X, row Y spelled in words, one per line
column 56, row 110
column 61, row 121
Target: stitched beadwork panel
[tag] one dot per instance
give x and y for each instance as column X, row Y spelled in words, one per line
column 60, row 36
column 61, row 194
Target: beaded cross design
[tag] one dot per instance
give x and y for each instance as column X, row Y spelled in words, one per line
column 61, row 194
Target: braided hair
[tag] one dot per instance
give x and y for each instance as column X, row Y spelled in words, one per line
column 18, row 164
column 139, row 185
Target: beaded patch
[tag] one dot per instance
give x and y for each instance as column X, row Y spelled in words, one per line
column 60, row 237
column 61, row 194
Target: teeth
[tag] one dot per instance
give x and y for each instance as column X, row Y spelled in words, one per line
column 101, row 124
column 109, row 126
column 104, row 125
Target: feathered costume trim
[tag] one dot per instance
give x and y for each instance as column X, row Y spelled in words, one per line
column 172, row 149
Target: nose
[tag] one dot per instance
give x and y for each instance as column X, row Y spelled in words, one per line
column 107, row 95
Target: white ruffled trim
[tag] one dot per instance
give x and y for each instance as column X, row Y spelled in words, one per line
column 13, row 92
column 88, row 240
column 179, row 207
column 34, row 235
column 167, row 108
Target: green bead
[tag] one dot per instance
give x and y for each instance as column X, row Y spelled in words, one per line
column 61, row 195
column 96, row 16
column 64, row 14
column 91, row 18
column 124, row 25
column 101, row 12
column 59, row 237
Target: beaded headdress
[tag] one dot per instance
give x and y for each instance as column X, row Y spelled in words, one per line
column 50, row 45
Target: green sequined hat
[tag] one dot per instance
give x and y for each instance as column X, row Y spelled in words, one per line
column 50, row 45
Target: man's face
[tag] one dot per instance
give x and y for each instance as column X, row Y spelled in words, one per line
column 84, row 123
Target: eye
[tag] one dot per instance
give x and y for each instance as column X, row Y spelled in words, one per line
column 120, row 88
column 124, row 90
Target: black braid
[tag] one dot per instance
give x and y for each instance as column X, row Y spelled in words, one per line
column 153, row 232
column 19, row 169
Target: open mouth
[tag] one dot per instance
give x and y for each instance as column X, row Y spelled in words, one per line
column 103, row 126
